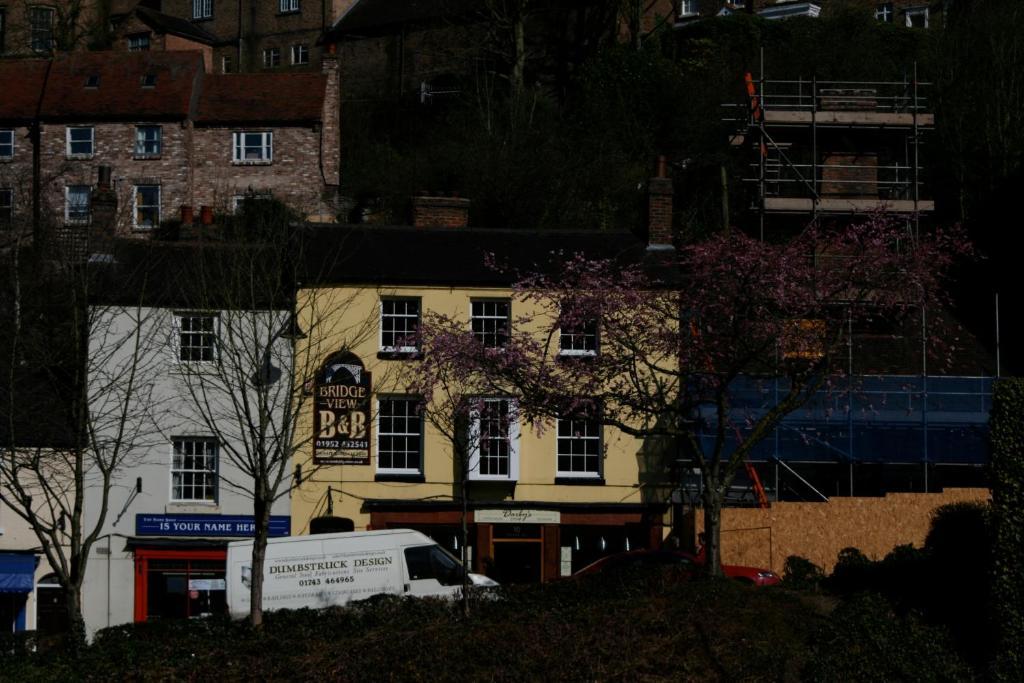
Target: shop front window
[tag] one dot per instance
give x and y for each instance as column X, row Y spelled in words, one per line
column 183, row 588
column 582, row 545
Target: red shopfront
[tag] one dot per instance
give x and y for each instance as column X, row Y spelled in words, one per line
column 176, row 583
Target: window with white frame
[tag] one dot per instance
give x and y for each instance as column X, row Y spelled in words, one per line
column 916, row 17
column 138, row 42
column 77, row 204
column 194, row 470
column 148, row 141
column 399, row 324
column 300, row 54
column 271, row 57
column 40, row 22
column 578, row 450
column 6, row 207
column 202, row 9
column 491, row 321
column 225, row 65
column 884, row 12
column 688, row 8
column 494, row 439
column 6, row 143
column 287, row 6
column 252, row 148
column 578, row 339
column 196, row 336
column 81, row 141
column 147, row 207
column 399, row 435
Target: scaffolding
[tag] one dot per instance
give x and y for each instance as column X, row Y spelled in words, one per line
column 835, row 148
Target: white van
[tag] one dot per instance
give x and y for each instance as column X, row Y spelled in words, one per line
column 334, row 569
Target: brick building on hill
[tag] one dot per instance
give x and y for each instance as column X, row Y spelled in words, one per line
column 259, row 36
column 130, row 142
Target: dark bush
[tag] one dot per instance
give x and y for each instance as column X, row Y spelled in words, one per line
column 801, row 574
column 865, row 640
column 640, row 625
column 853, row 572
column 1007, row 524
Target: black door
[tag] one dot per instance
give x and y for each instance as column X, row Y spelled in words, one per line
column 517, row 562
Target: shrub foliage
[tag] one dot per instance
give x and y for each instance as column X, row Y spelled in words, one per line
column 1007, row 433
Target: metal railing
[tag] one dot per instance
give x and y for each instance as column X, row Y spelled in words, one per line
column 880, row 96
column 889, row 181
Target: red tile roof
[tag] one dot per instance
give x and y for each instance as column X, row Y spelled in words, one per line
column 255, row 98
column 119, row 93
column 21, row 86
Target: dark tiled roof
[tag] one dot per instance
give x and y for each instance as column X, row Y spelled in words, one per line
column 189, row 275
column 176, row 26
column 119, row 93
column 456, row 257
column 21, row 87
column 279, row 98
column 369, row 17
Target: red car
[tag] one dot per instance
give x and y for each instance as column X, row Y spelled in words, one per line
column 661, row 558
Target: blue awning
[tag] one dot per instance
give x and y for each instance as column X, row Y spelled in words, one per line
column 17, row 572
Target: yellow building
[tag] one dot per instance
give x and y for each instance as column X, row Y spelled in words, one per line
column 541, row 503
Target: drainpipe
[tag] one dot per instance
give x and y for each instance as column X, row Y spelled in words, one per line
column 239, row 67
column 35, row 134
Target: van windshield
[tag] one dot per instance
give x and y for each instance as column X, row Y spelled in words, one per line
column 432, row 562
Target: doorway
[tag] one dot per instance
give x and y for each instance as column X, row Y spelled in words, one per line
column 517, row 562
column 517, row 554
column 51, row 606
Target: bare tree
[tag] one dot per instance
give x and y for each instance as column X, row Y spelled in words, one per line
column 453, row 403
column 78, row 382
column 252, row 393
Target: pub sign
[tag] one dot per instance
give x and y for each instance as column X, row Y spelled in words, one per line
column 342, row 413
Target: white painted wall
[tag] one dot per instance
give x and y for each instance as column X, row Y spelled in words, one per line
column 163, row 408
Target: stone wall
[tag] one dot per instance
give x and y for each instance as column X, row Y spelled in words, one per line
column 818, row 531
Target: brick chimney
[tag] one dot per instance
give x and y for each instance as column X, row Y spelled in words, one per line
column 659, row 209
column 440, row 212
column 103, row 223
column 330, row 136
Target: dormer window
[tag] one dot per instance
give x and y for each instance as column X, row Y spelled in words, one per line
column 202, row 9
column 149, row 81
column 138, row 42
column 92, row 81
